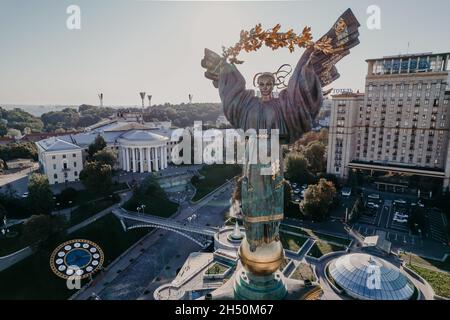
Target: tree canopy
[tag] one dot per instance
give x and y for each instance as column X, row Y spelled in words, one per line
column 16, row 150
column 39, row 228
column 97, row 177
column 105, row 157
column 20, row 119
column 40, row 197
column 98, row 144
column 318, row 199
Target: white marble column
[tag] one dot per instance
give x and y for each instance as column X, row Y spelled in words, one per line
column 133, row 150
column 141, row 159
column 165, row 156
column 155, row 159
column 124, row 166
column 149, row 164
column 127, row 157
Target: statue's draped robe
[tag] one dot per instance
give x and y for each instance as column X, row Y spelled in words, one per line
column 292, row 113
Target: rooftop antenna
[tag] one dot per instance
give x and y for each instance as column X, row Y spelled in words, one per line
column 142, row 94
column 100, row 96
column 190, row 98
column 407, row 51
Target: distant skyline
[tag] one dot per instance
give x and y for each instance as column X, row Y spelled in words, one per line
column 124, row 47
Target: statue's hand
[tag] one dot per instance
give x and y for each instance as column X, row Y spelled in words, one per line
column 212, row 62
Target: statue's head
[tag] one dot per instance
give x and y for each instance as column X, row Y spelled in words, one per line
column 266, row 81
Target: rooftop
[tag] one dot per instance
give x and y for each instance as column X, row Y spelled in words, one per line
column 56, row 144
column 409, row 55
column 354, row 274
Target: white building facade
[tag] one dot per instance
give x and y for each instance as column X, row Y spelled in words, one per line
column 138, row 148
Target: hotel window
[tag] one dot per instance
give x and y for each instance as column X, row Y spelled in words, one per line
column 55, row 176
column 74, row 155
column 53, row 157
column 445, row 101
column 64, row 156
column 54, row 166
column 65, row 174
column 75, row 164
column 75, row 173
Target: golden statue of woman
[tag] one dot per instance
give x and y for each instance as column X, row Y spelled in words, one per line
column 291, row 113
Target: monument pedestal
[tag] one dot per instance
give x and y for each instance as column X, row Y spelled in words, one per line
column 248, row 286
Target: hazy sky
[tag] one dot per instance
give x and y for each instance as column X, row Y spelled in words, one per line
column 125, row 47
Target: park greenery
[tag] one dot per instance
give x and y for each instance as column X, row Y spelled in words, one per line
column 73, row 119
column 38, row 229
column 318, row 200
column 19, row 119
column 307, row 161
column 97, row 173
column 40, row 197
column 292, row 242
column 16, row 150
column 70, row 119
column 105, row 157
column 150, row 194
column 96, row 146
column 213, row 176
column 439, row 281
column 97, row 177
column 20, row 281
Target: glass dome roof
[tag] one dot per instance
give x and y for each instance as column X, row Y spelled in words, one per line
column 366, row 277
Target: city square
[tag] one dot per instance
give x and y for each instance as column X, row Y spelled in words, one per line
column 310, row 163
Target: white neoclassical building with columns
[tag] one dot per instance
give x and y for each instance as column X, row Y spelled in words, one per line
column 143, row 151
column 139, row 147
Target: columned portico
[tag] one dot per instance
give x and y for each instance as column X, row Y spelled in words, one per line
column 147, row 149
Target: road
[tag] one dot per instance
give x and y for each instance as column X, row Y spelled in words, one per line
column 17, row 180
column 156, row 258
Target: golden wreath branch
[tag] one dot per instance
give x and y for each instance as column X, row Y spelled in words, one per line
column 254, row 39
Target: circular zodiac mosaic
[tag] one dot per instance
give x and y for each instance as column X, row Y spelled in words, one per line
column 77, row 257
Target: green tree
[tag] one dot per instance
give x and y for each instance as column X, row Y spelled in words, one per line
column 40, row 197
column 3, row 129
column 97, row 177
column 287, row 195
column 297, row 168
column 14, row 133
column 15, row 150
column 19, row 119
column 68, row 194
column 2, row 213
column 315, row 155
column 318, row 199
column 98, row 144
column 39, row 228
column 105, row 157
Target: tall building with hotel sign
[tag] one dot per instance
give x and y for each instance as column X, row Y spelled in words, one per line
column 400, row 126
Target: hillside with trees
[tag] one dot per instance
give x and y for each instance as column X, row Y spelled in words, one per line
column 18, row 119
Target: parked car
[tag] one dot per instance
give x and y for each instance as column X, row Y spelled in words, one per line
column 400, row 216
column 305, row 186
column 346, row 191
column 372, row 205
column 296, row 191
column 25, row 194
column 294, row 185
column 399, row 220
column 399, row 201
column 374, row 196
